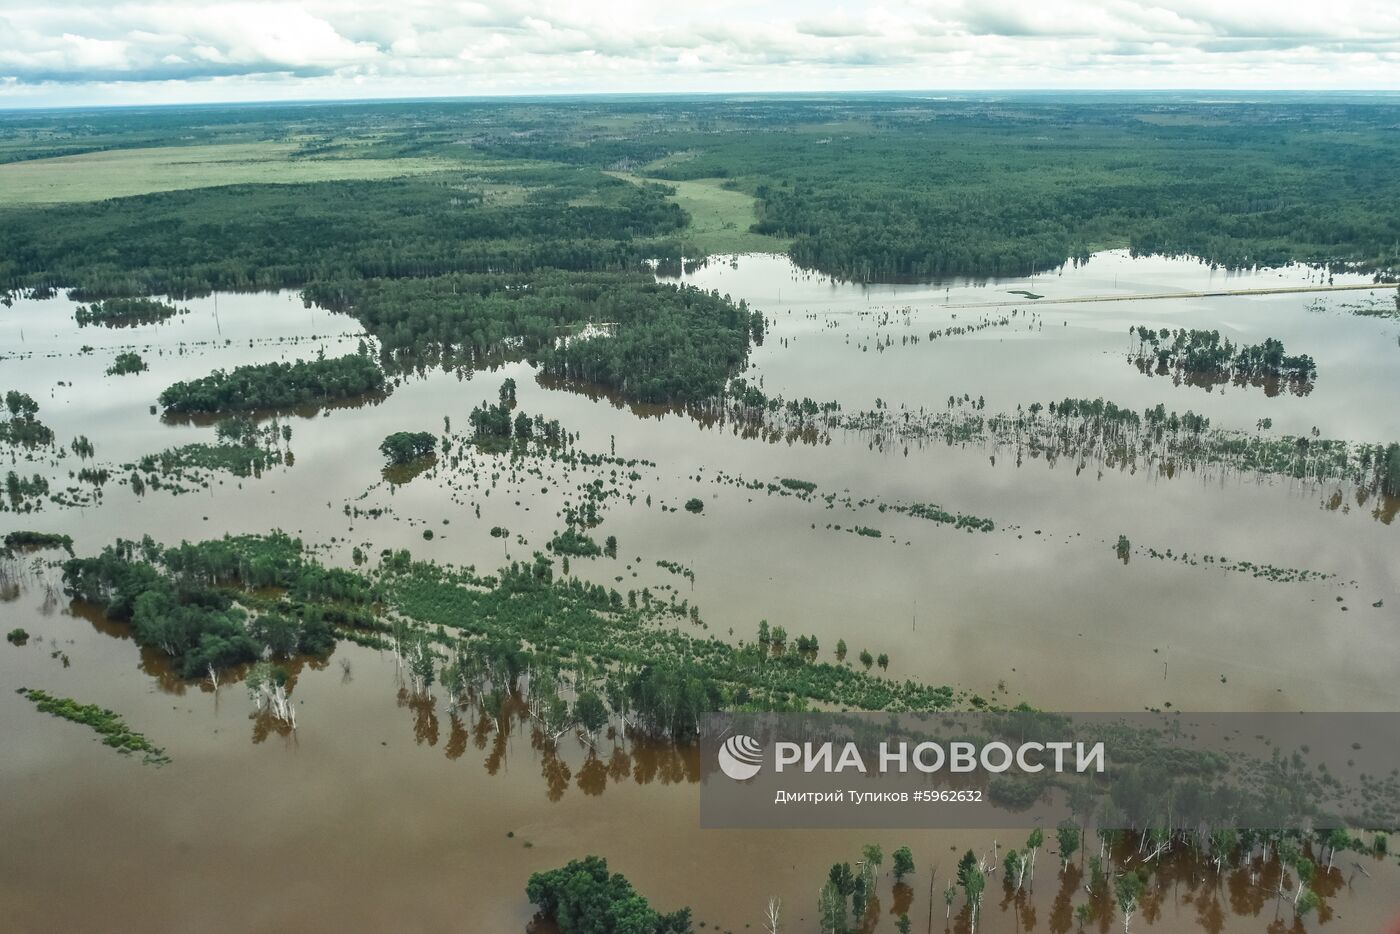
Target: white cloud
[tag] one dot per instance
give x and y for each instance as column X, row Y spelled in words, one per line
column 74, row 51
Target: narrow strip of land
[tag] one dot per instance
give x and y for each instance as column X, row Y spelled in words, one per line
column 1153, row 296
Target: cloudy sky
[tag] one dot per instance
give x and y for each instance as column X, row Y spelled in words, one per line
column 61, row 52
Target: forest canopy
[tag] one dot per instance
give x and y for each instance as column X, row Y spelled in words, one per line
column 869, row 187
column 651, row 341
column 544, row 216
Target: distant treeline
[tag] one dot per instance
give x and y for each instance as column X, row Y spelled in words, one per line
column 284, row 236
column 529, row 233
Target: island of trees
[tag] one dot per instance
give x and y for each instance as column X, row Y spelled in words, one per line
column 494, row 428
column 125, row 363
column 180, row 600
column 275, row 385
column 582, row 897
column 405, row 447
column 22, row 427
column 26, row 540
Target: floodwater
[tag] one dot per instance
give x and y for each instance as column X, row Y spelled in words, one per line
column 383, row 813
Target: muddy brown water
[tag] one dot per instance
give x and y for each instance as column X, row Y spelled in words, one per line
column 383, row 813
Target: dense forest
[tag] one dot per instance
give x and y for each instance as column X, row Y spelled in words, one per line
column 878, row 189
column 271, row 236
column 868, row 187
column 542, row 215
column 653, row 342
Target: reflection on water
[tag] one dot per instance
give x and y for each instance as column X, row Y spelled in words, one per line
column 304, row 410
column 386, row 810
column 1208, row 380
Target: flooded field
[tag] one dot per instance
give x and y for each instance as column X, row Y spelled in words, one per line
column 247, row 828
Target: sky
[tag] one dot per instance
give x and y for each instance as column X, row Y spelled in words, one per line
column 97, row 52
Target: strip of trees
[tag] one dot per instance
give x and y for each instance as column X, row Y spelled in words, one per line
column 275, row 385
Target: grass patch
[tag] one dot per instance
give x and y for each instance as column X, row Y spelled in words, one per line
column 935, row 513
column 106, row 723
column 719, row 217
column 119, row 173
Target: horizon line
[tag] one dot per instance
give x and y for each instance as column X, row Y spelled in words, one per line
column 526, row 96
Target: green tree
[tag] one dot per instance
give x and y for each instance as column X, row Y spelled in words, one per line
column 1305, row 869
column 1033, row 843
column 1127, row 893
column 1337, row 839
column 583, row 898
column 405, row 447
column 1067, row 836
column 590, row 711
column 831, row 909
column 903, row 863
column 973, row 886
column 966, row 864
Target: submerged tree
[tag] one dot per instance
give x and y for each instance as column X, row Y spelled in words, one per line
column 582, row 897
column 1127, row 892
column 903, row 863
column 405, row 447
